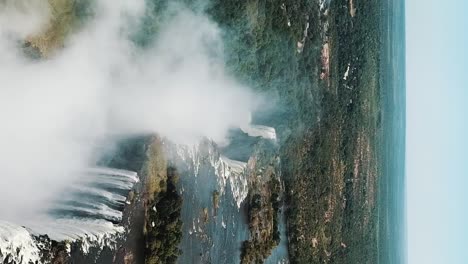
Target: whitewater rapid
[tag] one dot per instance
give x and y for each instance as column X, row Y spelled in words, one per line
column 89, row 210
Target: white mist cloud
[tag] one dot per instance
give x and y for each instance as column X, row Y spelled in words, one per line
column 23, row 17
column 180, row 85
column 53, row 111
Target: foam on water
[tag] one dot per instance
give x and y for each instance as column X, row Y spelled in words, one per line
column 234, row 172
column 88, row 210
column 260, row 131
column 16, row 244
column 225, row 169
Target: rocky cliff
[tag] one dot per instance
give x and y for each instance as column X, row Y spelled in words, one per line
column 301, row 184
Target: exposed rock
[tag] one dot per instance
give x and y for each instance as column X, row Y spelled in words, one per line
column 264, row 200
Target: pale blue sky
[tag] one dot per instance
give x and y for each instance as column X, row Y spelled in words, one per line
column 437, row 131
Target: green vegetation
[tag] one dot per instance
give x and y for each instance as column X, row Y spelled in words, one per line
column 156, row 205
column 332, row 166
column 164, row 226
column 263, row 224
column 275, row 200
column 263, row 206
column 155, row 169
column 261, row 51
column 328, row 127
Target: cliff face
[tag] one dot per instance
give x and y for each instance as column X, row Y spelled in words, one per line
column 216, row 191
column 265, row 200
column 102, row 218
column 319, row 60
column 83, row 226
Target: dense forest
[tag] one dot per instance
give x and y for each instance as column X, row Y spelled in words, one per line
column 164, row 226
column 323, row 65
column 320, row 67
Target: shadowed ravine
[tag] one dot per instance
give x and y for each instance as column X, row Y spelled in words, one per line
column 316, row 176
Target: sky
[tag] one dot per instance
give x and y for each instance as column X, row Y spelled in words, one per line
column 437, row 131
